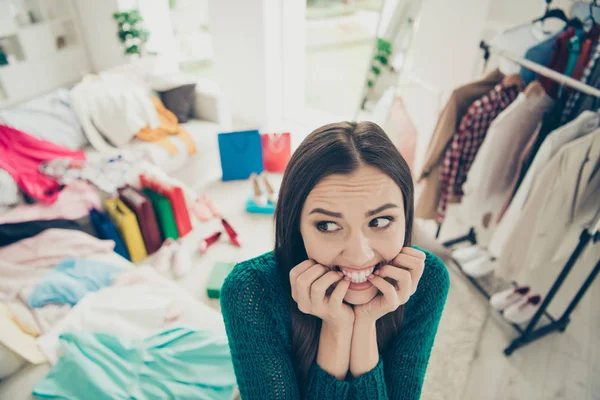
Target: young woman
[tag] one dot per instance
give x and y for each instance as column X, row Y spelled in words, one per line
column 344, row 308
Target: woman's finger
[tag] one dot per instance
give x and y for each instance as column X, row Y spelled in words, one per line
column 338, row 294
column 414, row 252
column 407, row 261
column 320, row 286
column 300, row 269
column 304, row 282
column 414, row 265
column 390, row 296
column 402, row 279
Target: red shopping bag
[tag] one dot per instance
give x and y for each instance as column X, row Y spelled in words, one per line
column 277, row 149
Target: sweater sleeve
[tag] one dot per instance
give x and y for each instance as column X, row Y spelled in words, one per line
column 260, row 346
column 400, row 372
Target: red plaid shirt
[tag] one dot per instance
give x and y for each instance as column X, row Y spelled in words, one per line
column 466, row 141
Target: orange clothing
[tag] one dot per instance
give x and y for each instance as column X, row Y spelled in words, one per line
column 168, row 126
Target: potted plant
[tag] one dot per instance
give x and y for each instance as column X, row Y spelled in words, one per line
column 131, row 31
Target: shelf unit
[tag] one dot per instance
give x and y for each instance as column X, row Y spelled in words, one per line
column 42, row 48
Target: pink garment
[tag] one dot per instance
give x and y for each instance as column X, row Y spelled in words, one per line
column 51, row 246
column 74, row 202
column 21, row 155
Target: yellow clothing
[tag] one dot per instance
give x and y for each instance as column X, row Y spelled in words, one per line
column 13, row 337
column 168, row 126
column 127, row 224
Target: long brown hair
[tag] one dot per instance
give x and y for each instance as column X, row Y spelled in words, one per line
column 338, row 148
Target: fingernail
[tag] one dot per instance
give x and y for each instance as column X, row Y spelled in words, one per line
column 377, row 273
column 346, row 278
column 371, row 276
column 340, row 274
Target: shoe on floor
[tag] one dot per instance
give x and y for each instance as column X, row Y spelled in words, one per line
column 258, row 196
column 479, row 267
column 466, row 254
column 508, row 297
column 164, row 255
column 182, row 261
column 524, row 310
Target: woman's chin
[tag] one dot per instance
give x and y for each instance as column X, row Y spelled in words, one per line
column 358, row 297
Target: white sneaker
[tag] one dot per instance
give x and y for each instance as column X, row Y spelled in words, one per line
column 182, row 261
column 466, row 254
column 479, row 267
column 524, row 310
column 508, row 297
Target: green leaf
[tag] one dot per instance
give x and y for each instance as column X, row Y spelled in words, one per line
column 370, row 83
column 375, row 70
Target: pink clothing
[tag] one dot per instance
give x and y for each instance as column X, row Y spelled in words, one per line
column 51, row 246
column 74, row 202
column 21, row 155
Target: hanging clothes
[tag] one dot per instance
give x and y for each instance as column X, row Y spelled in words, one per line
column 586, row 63
column 446, row 126
column 540, row 54
column 21, row 155
column 466, row 142
column 175, row 364
column 558, row 62
column 495, row 166
column 586, row 123
column 560, row 192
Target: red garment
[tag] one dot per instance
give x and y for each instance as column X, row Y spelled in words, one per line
column 558, row 62
column 466, row 142
column 21, row 155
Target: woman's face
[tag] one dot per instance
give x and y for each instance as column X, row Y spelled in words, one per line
column 354, row 223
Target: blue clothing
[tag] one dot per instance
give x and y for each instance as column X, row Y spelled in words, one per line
column 541, row 54
column 70, row 280
column 174, row 364
column 108, row 231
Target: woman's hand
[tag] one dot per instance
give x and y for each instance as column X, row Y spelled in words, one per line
column 310, row 283
column 396, row 282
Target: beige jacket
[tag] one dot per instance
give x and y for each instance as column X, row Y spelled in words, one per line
column 563, row 200
column 460, row 100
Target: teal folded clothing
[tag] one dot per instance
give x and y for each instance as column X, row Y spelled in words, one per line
column 254, row 208
column 72, row 279
column 175, row 364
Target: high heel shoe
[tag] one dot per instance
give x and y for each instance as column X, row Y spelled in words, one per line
column 271, row 194
column 259, row 197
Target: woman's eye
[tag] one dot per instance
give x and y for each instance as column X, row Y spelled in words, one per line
column 328, row 226
column 381, row 222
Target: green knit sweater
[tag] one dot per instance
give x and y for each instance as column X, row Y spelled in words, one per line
column 256, row 310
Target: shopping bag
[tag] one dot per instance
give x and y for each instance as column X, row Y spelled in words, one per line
column 241, row 154
column 277, row 149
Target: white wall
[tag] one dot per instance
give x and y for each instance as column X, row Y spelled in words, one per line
column 99, row 31
column 247, row 57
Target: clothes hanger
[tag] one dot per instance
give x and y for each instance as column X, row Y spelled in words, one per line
column 552, row 13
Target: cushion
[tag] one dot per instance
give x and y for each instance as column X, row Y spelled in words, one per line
column 180, row 101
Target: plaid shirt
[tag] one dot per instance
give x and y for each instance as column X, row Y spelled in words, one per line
column 466, row 141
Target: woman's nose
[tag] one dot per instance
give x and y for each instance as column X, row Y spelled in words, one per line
column 358, row 250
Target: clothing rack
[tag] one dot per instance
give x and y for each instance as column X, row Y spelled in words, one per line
column 590, row 234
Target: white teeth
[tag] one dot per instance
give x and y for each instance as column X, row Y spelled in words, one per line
column 358, row 277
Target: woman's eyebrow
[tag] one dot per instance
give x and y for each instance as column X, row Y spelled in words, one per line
column 368, row 213
column 380, row 209
column 326, row 212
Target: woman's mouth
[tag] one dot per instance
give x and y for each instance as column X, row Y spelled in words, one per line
column 358, row 276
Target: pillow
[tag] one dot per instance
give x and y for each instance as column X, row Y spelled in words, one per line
column 180, row 101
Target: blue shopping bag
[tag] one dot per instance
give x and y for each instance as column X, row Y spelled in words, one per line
column 241, row 154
